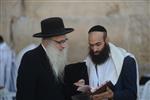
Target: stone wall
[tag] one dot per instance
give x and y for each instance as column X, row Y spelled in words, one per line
column 127, row 22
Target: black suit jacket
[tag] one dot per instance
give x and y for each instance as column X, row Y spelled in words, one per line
column 124, row 89
column 36, row 80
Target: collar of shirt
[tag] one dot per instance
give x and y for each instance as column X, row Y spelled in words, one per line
column 43, row 47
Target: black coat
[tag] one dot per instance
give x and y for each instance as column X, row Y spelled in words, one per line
column 36, row 80
column 124, row 89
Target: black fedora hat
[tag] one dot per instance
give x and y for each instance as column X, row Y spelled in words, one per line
column 52, row 27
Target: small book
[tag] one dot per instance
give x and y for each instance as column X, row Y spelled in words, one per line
column 103, row 88
column 86, row 96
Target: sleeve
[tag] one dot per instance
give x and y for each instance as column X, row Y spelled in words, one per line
column 126, row 87
column 69, row 79
column 26, row 80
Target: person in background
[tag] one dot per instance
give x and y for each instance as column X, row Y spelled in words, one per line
column 23, row 51
column 41, row 69
column 7, row 67
column 105, row 62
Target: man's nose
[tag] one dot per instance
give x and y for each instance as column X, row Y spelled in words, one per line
column 63, row 45
column 95, row 49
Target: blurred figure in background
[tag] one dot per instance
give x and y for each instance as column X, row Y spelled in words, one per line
column 22, row 52
column 146, row 91
column 7, row 71
column 7, row 66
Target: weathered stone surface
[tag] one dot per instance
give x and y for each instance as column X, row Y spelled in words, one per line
column 127, row 23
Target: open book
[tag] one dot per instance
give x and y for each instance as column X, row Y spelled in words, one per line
column 103, row 88
column 86, row 96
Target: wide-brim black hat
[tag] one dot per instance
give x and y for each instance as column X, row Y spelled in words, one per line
column 52, row 27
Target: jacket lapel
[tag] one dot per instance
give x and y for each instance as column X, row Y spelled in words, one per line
column 44, row 59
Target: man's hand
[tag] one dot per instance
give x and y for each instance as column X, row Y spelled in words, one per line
column 105, row 95
column 82, row 87
column 81, row 82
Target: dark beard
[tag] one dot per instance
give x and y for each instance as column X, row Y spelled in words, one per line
column 102, row 56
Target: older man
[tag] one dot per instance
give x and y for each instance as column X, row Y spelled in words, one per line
column 41, row 69
column 105, row 62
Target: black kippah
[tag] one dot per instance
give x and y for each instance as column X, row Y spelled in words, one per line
column 98, row 28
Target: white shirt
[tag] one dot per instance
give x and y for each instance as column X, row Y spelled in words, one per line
column 105, row 72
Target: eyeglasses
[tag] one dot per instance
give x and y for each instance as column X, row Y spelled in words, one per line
column 61, row 42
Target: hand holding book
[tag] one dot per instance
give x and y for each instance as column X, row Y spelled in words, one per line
column 103, row 88
column 87, row 89
column 86, row 92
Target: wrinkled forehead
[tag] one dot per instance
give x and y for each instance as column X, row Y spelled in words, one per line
column 95, row 37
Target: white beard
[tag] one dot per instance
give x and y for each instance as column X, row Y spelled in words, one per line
column 57, row 59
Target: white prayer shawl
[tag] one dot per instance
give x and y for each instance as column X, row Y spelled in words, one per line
column 7, row 67
column 103, row 73
column 115, row 63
